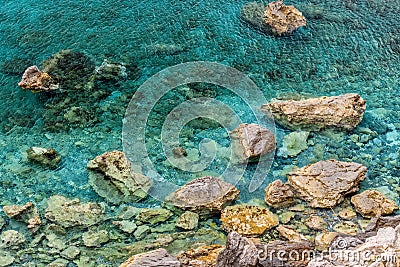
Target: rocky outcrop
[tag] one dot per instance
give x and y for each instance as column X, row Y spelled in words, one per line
column 278, row 194
column 155, row 258
column 205, row 195
column 204, row 256
column 371, row 203
column 239, row 252
column 283, row 19
column 381, row 250
column 324, row 184
column 248, row 220
column 250, row 141
column 112, row 178
column 36, row 81
column 47, row 157
column 339, row 112
column 70, row 212
column 27, row 213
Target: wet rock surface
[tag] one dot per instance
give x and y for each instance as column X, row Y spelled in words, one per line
column 371, row 203
column 36, row 81
column 278, row 194
column 188, row 220
column 156, row 258
column 27, row 213
column 47, row 157
column 205, row 195
column 204, row 256
column 250, row 141
column 248, row 220
column 342, row 112
column 112, row 178
column 324, row 184
column 283, row 19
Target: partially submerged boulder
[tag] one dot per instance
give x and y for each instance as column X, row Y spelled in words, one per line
column 278, row 194
column 250, row 141
column 47, row 157
column 36, row 81
column 205, row 195
column 325, row 183
column 371, row 203
column 70, row 212
column 112, row 178
column 248, row 220
column 27, row 213
column 339, row 112
column 283, row 19
column 155, row 258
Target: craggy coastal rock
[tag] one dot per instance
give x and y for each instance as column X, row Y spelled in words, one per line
column 111, row 177
column 36, row 81
column 371, row 203
column 278, row 194
column 70, row 212
column 27, row 213
column 250, row 141
column 339, row 112
column 381, row 250
column 155, row 258
column 283, row 19
column 324, row 184
column 205, row 195
column 248, row 220
column 204, row 256
column 48, row 157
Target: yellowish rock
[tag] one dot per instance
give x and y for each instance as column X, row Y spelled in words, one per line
column 290, row 234
column 283, row 19
column 324, row 240
column 248, row 220
column 316, row 222
column 347, row 227
column 371, row 203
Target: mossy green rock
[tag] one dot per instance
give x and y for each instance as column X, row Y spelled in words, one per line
column 153, row 216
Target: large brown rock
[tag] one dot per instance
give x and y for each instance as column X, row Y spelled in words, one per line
column 324, row 184
column 155, row 258
column 283, row 19
column 340, row 112
column 250, row 141
column 204, row 256
column 27, row 213
column 112, row 178
column 36, row 81
column 205, row 195
column 278, row 194
column 239, row 252
column 248, row 220
column 371, row 203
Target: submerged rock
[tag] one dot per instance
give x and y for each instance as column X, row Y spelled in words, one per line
column 250, row 141
column 153, row 216
column 248, row 220
column 239, row 252
column 253, row 14
column 205, row 195
column 70, row 212
column 36, row 81
column 324, row 184
column 294, row 143
column 11, row 239
column 112, row 178
column 290, row 234
column 371, row 203
column 27, row 213
column 278, row 194
column 155, row 258
column 188, row 220
column 95, row 239
column 204, row 256
column 48, row 157
column 340, row 112
column 316, row 223
column 283, row 19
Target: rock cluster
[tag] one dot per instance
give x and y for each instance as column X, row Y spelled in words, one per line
column 112, row 178
column 371, row 203
column 283, row 19
column 250, row 141
column 205, row 195
column 340, row 112
column 248, row 220
column 324, row 184
column 36, row 81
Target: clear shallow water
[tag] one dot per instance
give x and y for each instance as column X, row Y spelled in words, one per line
column 347, row 46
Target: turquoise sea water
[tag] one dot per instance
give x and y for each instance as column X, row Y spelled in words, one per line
column 347, row 46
